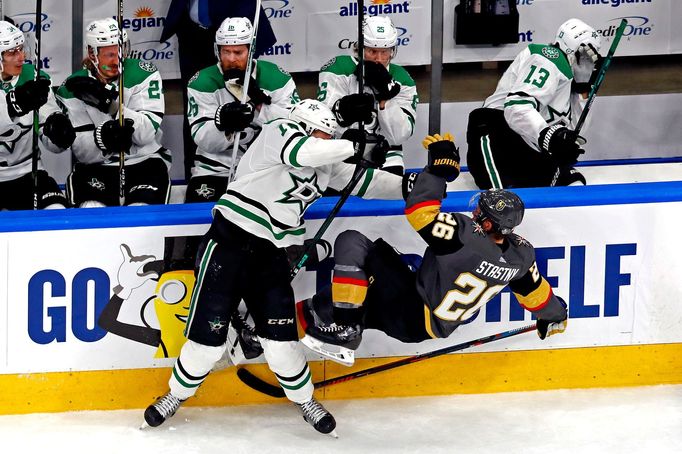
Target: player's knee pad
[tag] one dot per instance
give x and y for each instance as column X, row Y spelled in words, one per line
column 91, row 204
column 55, row 206
column 192, row 367
column 287, row 361
column 138, row 204
column 351, row 248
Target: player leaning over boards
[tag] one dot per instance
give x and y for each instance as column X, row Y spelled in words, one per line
column 22, row 95
column 216, row 115
column 90, row 96
column 388, row 105
column 242, row 256
column 467, row 262
column 522, row 133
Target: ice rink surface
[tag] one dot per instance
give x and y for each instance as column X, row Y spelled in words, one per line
column 614, row 420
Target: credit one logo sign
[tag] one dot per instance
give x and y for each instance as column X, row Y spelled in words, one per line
column 403, row 39
column 277, row 9
column 637, row 26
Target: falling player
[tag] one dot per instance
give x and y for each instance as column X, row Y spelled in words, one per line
column 242, row 256
column 467, row 262
column 388, row 105
column 522, row 135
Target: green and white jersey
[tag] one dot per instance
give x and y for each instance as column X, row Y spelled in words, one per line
column 16, row 136
column 143, row 103
column 283, row 172
column 395, row 122
column 207, row 91
column 535, row 92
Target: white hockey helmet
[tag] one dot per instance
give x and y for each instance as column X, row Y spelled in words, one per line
column 104, row 32
column 312, row 115
column 378, row 31
column 234, row 31
column 574, row 33
column 10, row 37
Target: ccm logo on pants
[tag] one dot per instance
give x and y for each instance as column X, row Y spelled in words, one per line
column 280, row 321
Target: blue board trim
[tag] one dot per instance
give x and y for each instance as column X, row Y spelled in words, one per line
column 200, row 213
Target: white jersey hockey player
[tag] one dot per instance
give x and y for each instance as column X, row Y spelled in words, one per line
column 90, row 96
column 521, row 134
column 22, row 96
column 389, row 107
column 242, row 256
column 216, row 114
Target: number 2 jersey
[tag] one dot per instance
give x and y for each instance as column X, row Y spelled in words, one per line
column 283, row 172
column 535, row 92
column 463, row 269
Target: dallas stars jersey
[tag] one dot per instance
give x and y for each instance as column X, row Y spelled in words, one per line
column 16, row 137
column 283, row 172
column 395, row 122
column 143, row 103
column 207, row 91
column 535, row 92
column 463, row 269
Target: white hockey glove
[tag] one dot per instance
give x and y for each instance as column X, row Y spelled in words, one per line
column 587, row 62
column 130, row 275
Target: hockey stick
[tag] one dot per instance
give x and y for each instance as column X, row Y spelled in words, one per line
column 245, row 87
column 264, row 387
column 597, row 83
column 35, row 152
column 121, row 120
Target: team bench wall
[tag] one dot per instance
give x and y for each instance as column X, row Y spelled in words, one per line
column 605, row 249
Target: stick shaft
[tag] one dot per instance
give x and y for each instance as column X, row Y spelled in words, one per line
column 247, row 79
column 121, row 119
column 35, row 154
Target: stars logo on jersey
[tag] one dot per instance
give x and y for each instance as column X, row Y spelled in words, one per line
column 216, row 325
column 96, row 184
column 147, row 66
column 205, row 192
column 550, row 52
column 304, row 192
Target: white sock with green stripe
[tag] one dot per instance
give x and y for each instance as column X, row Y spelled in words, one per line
column 192, row 368
column 287, row 361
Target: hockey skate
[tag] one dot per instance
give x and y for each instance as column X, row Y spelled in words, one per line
column 318, row 417
column 164, row 407
column 336, row 342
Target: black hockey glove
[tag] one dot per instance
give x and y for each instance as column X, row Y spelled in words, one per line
column 380, row 80
column 548, row 328
column 59, row 130
column 354, row 108
column 374, row 148
column 233, row 116
column 27, row 97
column 111, row 138
column 443, row 156
column 256, row 95
column 93, row 93
column 321, row 251
column 561, row 144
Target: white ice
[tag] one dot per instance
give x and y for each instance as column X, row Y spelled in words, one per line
column 616, row 420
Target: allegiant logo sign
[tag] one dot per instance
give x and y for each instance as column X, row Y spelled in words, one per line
column 613, row 3
column 377, row 7
column 276, row 9
column 403, row 39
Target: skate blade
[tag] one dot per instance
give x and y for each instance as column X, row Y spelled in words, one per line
column 144, row 425
column 336, row 353
column 333, row 434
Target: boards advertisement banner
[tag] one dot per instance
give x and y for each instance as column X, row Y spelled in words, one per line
column 612, row 264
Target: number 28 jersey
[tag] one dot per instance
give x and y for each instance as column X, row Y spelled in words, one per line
column 463, row 269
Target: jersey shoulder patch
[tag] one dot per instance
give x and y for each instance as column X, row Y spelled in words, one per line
column 401, row 75
column 147, row 66
column 208, row 80
column 343, row 65
column 554, row 55
column 133, row 72
column 270, row 76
